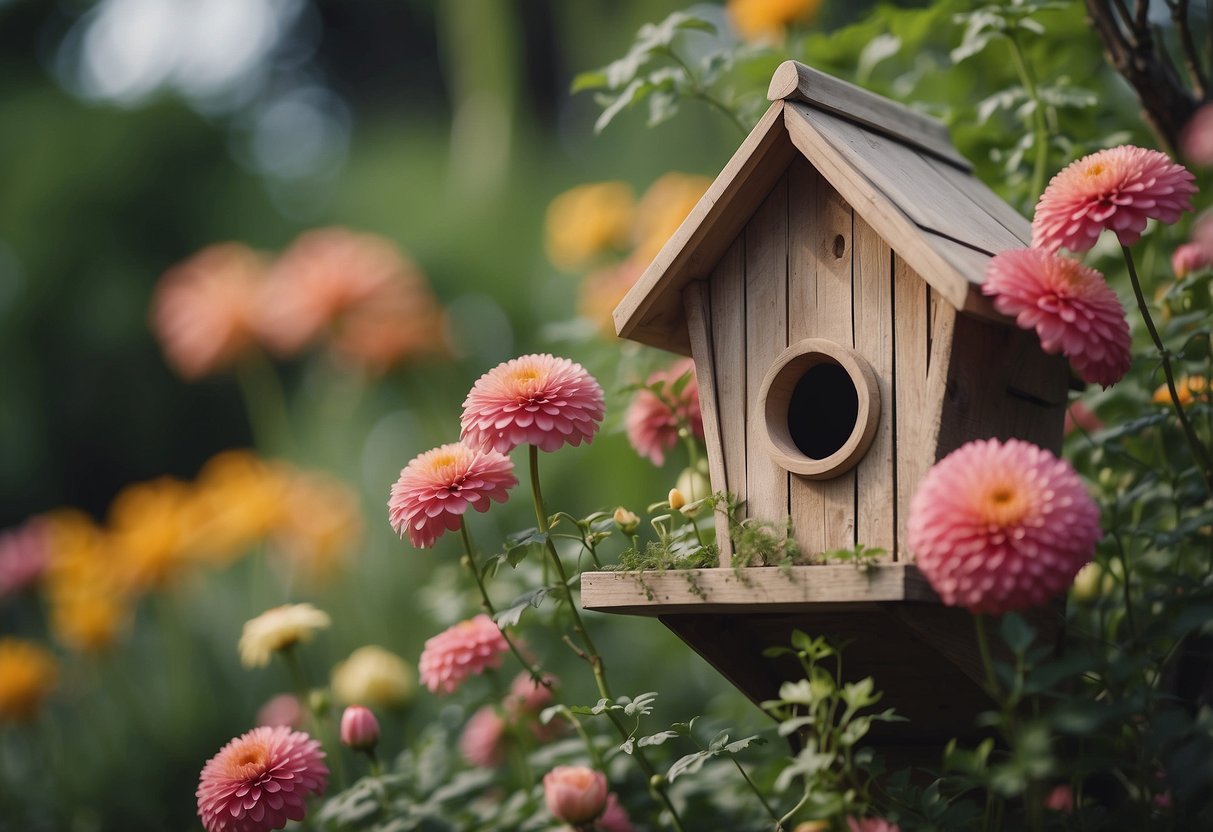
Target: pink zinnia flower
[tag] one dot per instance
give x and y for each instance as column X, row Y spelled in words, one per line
column 466, row 649
column 1197, row 138
column 653, row 420
column 437, row 487
column 260, row 780
column 24, row 555
column 1191, row 257
column 614, row 817
column 871, row 825
column 575, row 794
column 1071, row 307
column 1118, row 188
column 1000, row 527
column 538, row 400
column 483, row 737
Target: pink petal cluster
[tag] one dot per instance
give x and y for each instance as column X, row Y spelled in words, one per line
column 1071, row 307
column 437, row 487
column 260, row 780
column 24, row 555
column 575, row 794
column 855, row 824
column 1191, row 257
column 466, row 649
column 536, row 400
column 653, row 420
column 283, row 709
column 614, row 817
column 1197, row 138
column 1119, row 188
column 359, row 727
column 1000, row 527
column 1061, row 799
column 482, row 742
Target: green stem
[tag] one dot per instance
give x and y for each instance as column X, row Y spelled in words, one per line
column 469, row 560
column 264, row 402
column 700, row 92
column 1040, row 128
column 1198, row 448
column 761, row 799
column 983, row 645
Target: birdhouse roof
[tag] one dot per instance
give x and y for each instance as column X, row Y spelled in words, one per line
column 896, row 168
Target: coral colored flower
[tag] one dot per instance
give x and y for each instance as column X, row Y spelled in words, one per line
column 374, row 677
column 260, row 780
column 871, row 825
column 999, row 527
column 437, row 487
column 766, row 20
column 466, row 649
column 1119, row 189
column 400, row 321
column 575, row 794
column 24, row 555
column 614, row 817
column 1071, row 307
column 1060, row 799
column 483, row 739
column 1079, row 416
column 538, row 400
column 1191, row 257
column 527, row 696
column 653, row 419
column 28, row 673
column 1197, row 138
column 283, row 709
column 359, row 728
column 1188, row 388
column 587, row 221
column 202, row 309
column 278, row 629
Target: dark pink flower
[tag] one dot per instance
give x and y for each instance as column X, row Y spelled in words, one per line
column 1071, row 307
column 466, row 649
column 536, row 400
column 24, row 555
column 575, row 794
column 653, row 420
column 1061, row 799
column 437, row 487
column 614, row 817
column 1191, row 257
column 359, row 727
column 260, row 780
column 1078, row 415
column 483, row 738
column 1197, row 138
column 1119, row 188
column 1000, row 527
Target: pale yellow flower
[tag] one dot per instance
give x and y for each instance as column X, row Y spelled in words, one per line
column 278, row 629
column 374, row 677
column 587, row 221
column 27, row 676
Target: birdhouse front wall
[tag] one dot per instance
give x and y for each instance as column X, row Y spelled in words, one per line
column 806, row 265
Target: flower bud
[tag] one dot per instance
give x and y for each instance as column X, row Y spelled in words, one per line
column 626, row 520
column 676, row 499
column 359, row 728
column 694, row 483
column 575, row 794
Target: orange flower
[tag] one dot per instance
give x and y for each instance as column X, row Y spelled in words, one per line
column 662, row 209
column 584, row 222
column 601, row 292
column 399, row 321
column 766, row 20
column 1186, row 387
column 239, row 499
column 27, row 676
column 202, row 308
column 152, row 527
column 321, row 525
column 89, row 609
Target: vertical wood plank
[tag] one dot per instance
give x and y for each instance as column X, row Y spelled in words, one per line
column 697, row 302
column 766, row 303
column 727, row 302
column 874, row 490
column 835, row 293
column 806, row 247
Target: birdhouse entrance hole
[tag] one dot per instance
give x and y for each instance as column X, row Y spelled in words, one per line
column 820, row 404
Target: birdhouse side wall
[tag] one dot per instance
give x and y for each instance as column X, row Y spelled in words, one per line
column 807, row 266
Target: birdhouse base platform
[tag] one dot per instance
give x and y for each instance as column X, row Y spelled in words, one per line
column 922, row 655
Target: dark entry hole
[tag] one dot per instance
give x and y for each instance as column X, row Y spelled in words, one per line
column 823, row 410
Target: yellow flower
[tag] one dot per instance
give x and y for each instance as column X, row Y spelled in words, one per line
column 239, row 500
column 662, row 209
column 1187, row 387
column 766, row 20
column 587, row 221
column 152, row 526
column 27, row 676
column 374, row 677
column 90, row 622
column 602, row 290
column 278, row 629
column 89, row 608
column 321, row 524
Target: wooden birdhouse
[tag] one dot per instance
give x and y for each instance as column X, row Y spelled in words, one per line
column 828, row 287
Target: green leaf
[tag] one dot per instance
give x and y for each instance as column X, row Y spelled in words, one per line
column 510, row 616
column 657, row 739
column 1017, row 633
column 689, row 764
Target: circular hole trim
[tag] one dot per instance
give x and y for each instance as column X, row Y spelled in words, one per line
column 775, row 401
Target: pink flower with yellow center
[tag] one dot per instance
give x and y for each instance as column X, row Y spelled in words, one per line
column 653, row 419
column 1191, row 257
column 467, row 649
column 260, row 780
column 999, row 527
column 536, row 400
column 1119, row 188
column 437, row 487
column 1071, row 307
